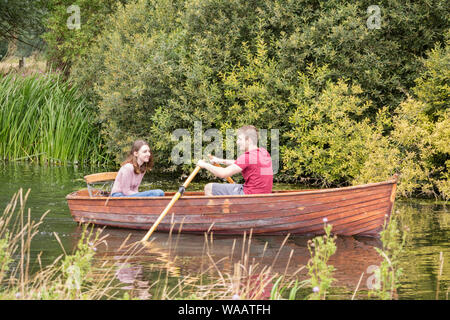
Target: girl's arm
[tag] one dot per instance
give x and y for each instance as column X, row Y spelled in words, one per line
column 127, row 179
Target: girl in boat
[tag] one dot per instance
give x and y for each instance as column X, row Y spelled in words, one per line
column 129, row 177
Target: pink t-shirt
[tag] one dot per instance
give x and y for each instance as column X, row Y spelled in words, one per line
column 127, row 181
column 257, row 171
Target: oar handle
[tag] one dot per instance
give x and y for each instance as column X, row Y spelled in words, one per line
column 162, row 215
column 171, row 203
column 189, row 179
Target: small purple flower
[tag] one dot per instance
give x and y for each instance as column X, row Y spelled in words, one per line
column 316, row 289
column 91, row 244
column 236, row 297
column 325, row 220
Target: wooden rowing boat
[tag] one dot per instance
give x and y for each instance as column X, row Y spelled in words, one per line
column 355, row 210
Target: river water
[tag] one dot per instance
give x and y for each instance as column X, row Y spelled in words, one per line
column 183, row 255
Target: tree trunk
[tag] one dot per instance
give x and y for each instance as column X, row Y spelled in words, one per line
column 12, row 48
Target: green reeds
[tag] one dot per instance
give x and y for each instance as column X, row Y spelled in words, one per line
column 320, row 272
column 70, row 276
column 44, row 119
column 388, row 274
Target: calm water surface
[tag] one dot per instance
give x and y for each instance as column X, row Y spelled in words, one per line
column 183, row 254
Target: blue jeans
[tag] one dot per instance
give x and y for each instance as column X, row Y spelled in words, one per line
column 148, row 193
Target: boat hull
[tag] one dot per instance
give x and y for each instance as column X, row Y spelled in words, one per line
column 359, row 210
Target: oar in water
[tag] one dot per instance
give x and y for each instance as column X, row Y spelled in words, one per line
column 171, row 203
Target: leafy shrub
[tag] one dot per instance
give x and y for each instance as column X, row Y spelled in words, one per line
column 65, row 44
column 330, row 138
column 422, row 129
column 333, row 142
column 138, row 63
column 161, row 73
column 384, row 62
column 310, row 68
column 252, row 91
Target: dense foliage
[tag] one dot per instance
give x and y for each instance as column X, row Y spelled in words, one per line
column 19, row 17
column 21, row 24
column 72, row 27
column 353, row 103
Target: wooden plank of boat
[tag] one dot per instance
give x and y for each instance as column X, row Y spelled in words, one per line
column 356, row 210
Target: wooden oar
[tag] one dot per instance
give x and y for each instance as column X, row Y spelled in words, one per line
column 171, row 203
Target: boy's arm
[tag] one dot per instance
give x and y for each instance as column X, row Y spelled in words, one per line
column 219, row 171
column 226, row 162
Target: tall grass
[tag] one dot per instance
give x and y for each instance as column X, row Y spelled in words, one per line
column 44, row 119
column 320, row 272
column 122, row 272
column 217, row 274
column 81, row 276
column 70, row 276
column 89, row 274
column 389, row 272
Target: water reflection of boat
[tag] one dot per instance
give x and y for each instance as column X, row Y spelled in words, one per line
column 356, row 210
column 186, row 254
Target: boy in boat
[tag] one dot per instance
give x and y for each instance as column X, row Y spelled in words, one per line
column 129, row 177
column 255, row 165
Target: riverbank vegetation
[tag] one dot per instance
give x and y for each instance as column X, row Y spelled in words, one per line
column 136, row 271
column 357, row 95
column 43, row 119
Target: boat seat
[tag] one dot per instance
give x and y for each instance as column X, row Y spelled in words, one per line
column 100, row 184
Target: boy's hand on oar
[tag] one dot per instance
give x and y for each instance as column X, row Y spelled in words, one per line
column 202, row 164
column 213, row 159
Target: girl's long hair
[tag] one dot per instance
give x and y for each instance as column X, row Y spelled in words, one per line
column 131, row 158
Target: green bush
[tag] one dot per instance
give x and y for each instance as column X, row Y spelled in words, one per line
column 64, row 44
column 331, row 139
column 419, row 143
column 312, row 69
column 384, row 62
column 133, row 70
column 157, row 67
column 422, row 129
column 253, row 91
column 333, row 142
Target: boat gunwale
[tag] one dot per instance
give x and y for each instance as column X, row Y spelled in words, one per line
column 73, row 196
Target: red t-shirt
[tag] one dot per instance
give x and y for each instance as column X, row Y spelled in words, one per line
column 257, row 171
